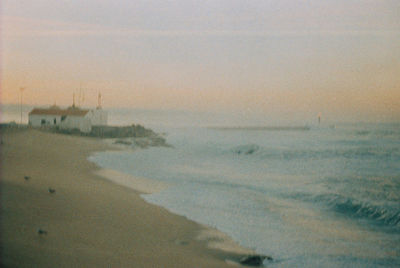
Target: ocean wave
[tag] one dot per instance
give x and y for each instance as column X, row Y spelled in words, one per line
column 362, row 132
column 294, row 154
column 388, row 133
column 263, row 128
column 389, row 216
column 246, row 149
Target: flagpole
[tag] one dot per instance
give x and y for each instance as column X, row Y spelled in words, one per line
column 21, row 89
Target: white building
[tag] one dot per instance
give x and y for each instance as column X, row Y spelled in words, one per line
column 70, row 118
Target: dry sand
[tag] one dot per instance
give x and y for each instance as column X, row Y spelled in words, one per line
column 90, row 221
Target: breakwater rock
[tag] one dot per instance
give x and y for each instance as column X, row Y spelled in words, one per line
column 134, row 135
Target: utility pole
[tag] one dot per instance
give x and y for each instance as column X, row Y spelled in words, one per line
column 21, row 89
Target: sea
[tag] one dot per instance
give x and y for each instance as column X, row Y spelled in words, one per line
column 314, row 195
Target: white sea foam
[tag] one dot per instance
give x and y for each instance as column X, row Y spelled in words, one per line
column 218, row 240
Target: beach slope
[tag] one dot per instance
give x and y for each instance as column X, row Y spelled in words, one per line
column 86, row 221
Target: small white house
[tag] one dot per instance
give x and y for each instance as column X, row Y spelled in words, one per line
column 70, row 118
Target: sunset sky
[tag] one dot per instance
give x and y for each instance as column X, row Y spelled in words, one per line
column 283, row 58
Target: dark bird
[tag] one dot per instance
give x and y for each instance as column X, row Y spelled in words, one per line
column 27, row 178
column 42, row 232
column 51, row 190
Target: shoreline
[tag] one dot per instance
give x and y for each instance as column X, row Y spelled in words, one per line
column 215, row 238
column 86, row 220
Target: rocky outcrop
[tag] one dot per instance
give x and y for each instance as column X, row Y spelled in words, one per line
column 135, row 135
column 143, row 142
column 121, row 131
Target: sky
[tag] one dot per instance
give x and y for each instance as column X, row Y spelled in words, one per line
column 278, row 59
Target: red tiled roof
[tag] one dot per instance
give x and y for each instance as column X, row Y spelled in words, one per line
column 58, row 111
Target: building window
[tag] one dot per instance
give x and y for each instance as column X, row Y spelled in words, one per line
column 43, row 122
column 55, row 121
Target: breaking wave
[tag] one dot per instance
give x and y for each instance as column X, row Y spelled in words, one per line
column 389, row 216
column 246, row 149
column 294, row 154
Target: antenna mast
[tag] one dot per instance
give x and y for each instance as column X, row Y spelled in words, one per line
column 81, row 95
column 99, row 101
column 21, row 89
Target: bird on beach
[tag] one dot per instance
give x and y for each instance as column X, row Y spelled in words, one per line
column 51, row 190
column 42, row 232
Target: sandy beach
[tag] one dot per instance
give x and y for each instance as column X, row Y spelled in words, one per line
column 89, row 221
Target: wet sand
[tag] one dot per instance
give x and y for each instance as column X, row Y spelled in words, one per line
column 90, row 221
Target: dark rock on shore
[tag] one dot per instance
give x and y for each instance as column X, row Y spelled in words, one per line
column 254, row 260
